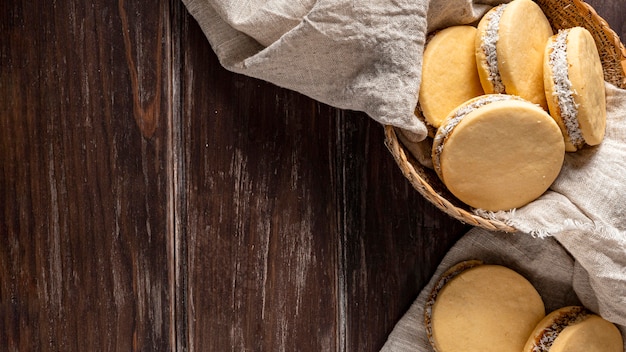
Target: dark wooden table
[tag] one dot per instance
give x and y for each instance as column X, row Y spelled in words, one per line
column 150, row 200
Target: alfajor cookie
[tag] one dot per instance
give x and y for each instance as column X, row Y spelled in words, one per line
column 574, row 329
column 449, row 75
column 574, row 87
column 509, row 46
column 481, row 307
column 498, row 152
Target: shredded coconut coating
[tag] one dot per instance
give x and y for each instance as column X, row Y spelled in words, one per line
column 490, row 39
column 563, row 89
column 446, row 128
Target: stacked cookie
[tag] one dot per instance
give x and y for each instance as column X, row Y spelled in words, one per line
column 485, row 307
column 505, row 100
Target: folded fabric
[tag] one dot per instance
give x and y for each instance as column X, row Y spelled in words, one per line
column 357, row 55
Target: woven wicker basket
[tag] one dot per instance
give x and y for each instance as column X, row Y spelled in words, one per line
column 561, row 14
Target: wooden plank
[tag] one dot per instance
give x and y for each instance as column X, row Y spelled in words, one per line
column 261, row 212
column 85, row 261
column 393, row 238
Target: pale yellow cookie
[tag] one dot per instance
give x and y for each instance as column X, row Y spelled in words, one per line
column 483, row 308
column 509, row 50
column 574, row 329
column 574, row 87
column 498, row 152
column 449, row 75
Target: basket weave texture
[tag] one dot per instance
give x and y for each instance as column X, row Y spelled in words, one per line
column 561, row 14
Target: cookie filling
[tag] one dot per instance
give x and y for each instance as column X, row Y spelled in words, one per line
column 445, row 129
column 550, row 333
column 490, row 39
column 563, row 88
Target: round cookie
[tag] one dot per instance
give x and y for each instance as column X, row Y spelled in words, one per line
column 482, row 307
column 498, row 152
column 574, row 329
column 449, row 75
column 509, row 47
column 574, row 87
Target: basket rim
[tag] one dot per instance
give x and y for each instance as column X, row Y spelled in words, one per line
column 617, row 42
column 590, row 18
column 426, row 190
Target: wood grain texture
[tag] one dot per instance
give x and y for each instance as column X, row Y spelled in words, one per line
column 152, row 201
column 261, row 212
column 84, row 262
column 392, row 238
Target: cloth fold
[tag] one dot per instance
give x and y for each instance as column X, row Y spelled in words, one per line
column 366, row 56
column 362, row 55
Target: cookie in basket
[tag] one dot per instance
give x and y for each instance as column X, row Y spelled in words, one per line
column 574, row 85
column 498, row 152
column 510, row 44
column 561, row 14
column 448, row 60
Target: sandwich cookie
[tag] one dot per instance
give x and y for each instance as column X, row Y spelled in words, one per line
column 449, row 75
column 509, row 45
column 574, row 87
column 498, row 152
column 574, row 329
column 481, row 307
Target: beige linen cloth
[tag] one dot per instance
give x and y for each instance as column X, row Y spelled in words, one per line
column 365, row 55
